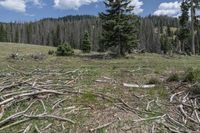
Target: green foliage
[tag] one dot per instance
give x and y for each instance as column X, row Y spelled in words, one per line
column 89, row 97
column 119, row 26
column 86, row 45
column 64, row 50
column 174, row 77
column 166, row 44
column 184, row 31
column 3, row 34
column 51, row 52
column 56, row 37
column 192, row 75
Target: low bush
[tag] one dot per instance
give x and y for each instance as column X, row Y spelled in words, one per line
column 64, row 50
column 51, row 52
column 192, row 75
column 174, row 77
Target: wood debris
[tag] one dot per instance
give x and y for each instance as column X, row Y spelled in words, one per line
column 138, row 86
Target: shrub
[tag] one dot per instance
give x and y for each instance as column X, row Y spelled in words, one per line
column 51, row 52
column 174, row 77
column 64, row 50
column 192, row 75
column 86, row 46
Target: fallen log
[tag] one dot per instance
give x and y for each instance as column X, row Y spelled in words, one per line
column 138, row 86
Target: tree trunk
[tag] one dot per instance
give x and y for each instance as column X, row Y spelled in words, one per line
column 192, row 27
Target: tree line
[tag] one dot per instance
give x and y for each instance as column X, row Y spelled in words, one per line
column 117, row 27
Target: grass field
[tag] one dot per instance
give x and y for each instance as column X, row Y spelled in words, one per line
column 89, row 109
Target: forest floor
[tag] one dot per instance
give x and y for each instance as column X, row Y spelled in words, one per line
column 74, row 94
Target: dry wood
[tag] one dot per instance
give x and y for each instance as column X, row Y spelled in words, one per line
column 46, row 116
column 37, row 129
column 148, row 119
column 138, row 86
column 15, row 116
column 148, row 104
column 14, row 124
column 27, row 128
column 102, row 126
column 14, row 85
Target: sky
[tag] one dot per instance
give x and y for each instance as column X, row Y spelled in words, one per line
column 32, row 10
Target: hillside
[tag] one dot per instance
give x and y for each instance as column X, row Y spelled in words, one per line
column 79, row 94
column 53, row 31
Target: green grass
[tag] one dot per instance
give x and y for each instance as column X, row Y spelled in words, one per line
column 89, row 70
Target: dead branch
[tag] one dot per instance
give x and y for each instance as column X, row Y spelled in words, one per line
column 102, row 126
column 138, row 86
column 37, row 129
column 14, row 124
column 57, row 103
column 15, row 116
column 14, row 85
column 27, row 128
column 148, row 119
column 148, row 104
column 43, row 105
column 45, row 116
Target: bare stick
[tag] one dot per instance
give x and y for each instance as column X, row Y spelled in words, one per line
column 37, row 129
column 148, row 104
column 13, row 117
column 14, row 124
column 27, row 128
column 45, row 116
column 44, row 107
column 102, row 126
column 57, row 103
column 148, row 119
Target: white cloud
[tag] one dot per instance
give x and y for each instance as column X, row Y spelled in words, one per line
column 169, row 8
column 72, row 4
column 19, row 5
column 16, row 5
column 137, row 6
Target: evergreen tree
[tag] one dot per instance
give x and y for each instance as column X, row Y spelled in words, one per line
column 119, row 26
column 169, row 33
column 183, row 21
column 3, row 34
column 86, row 44
column 64, row 50
column 166, row 44
column 17, row 37
column 56, row 37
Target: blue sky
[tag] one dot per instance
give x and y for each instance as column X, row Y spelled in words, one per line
column 30, row 10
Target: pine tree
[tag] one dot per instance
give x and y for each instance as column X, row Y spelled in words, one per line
column 183, row 33
column 64, row 50
column 3, row 34
column 166, row 44
column 119, row 26
column 86, row 44
column 56, row 37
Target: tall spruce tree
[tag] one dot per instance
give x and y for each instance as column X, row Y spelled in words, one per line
column 86, row 44
column 119, row 26
column 193, row 6
column 184, row 31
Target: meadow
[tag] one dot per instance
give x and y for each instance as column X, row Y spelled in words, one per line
column 81, row 94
